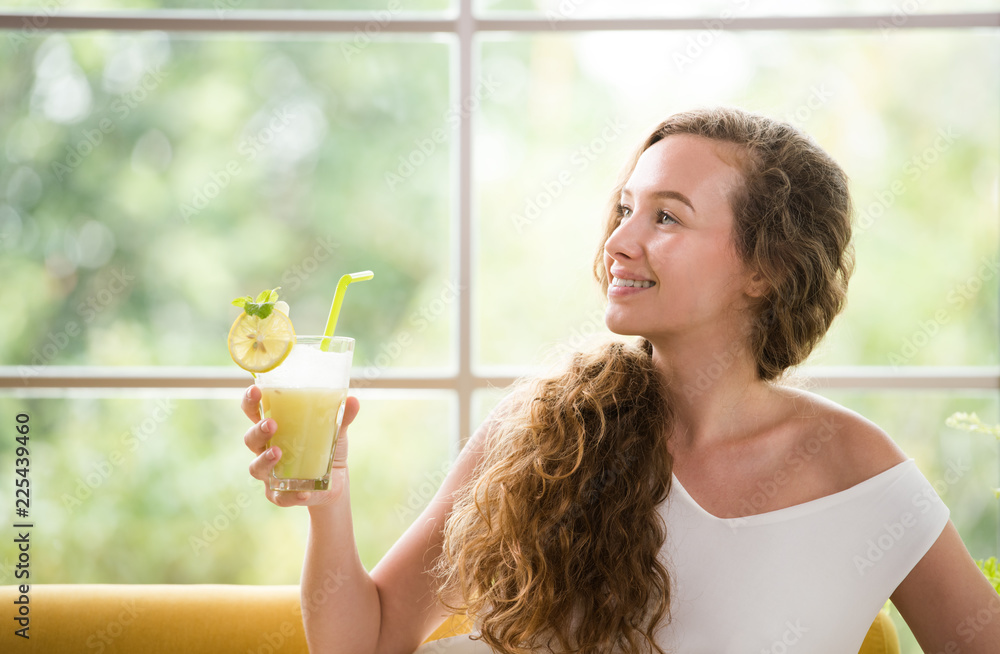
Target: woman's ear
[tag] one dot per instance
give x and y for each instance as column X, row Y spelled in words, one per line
column 756, row 285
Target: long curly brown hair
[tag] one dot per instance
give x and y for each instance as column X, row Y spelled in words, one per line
column 554, row 543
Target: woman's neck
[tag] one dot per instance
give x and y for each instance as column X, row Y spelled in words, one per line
column 714, row 389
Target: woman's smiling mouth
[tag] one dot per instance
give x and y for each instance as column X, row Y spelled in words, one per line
column 632, row 283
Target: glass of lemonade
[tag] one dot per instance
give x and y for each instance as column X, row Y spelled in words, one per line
column 305, row 396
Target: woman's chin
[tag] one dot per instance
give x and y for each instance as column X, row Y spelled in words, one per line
column 621, row 328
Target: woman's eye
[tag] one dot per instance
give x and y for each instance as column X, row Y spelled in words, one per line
column 666, row 218
column 624, row 211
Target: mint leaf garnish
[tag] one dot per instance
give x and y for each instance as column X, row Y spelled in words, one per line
column 262, row 306
column 261, row 310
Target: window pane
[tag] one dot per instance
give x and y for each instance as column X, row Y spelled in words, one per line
column 483, row 401
column 157, row 490
column 150, row 179
column 913, row 119
column 401, row 451
column 724, row 10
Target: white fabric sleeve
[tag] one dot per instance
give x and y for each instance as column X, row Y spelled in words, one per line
column 906, row 519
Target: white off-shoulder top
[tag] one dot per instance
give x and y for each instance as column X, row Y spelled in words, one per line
column 806, row 578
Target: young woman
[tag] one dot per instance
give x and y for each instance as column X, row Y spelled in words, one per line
column 671, row 495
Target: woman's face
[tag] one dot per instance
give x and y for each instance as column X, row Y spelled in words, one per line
column 674, row 243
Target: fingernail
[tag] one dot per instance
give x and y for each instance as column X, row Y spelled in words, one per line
column 272, row 453
column 265, row 426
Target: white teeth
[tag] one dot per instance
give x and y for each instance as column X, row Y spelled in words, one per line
column 631, row 282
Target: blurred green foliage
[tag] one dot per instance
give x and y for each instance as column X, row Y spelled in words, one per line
column 145, row 490
column 151, row 179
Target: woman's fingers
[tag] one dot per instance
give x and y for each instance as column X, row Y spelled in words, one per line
column 261, row 467
column 251, row 403
column 351, row 408
column 257, row 436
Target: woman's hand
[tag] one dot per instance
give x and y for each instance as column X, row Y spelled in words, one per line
column 260, row 468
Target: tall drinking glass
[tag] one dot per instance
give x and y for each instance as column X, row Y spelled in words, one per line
column 305, row 395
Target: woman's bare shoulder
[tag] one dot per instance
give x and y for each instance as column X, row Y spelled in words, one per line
column 852, row 447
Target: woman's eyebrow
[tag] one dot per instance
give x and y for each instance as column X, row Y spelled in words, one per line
column 673, row 195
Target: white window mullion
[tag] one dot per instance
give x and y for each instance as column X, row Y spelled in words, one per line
column 466, row 34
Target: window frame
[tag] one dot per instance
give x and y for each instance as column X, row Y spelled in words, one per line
column 462, row 26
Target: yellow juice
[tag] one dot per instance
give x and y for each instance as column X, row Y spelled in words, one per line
column 308, row 420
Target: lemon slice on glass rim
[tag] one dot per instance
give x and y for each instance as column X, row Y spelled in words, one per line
column 263, row 335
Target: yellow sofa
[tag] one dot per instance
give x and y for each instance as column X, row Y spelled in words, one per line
column 214, row 619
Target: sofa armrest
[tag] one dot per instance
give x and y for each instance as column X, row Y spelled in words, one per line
column 156, row 619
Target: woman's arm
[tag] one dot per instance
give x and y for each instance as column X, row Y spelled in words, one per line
column 409, row 606
column 948, row 603
column 345, row 609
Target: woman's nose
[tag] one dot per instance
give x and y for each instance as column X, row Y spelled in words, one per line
column 625, row 241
